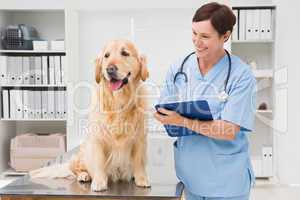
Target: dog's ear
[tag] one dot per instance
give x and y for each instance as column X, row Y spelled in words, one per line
column 98, row 64
column 143, row 67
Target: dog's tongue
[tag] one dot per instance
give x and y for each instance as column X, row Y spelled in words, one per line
column 115, row 85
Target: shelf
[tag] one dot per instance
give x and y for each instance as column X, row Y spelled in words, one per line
column 3, row 119
column 264, row 111
column 263, row 73
column 12, row 172
column 32, row 51
column 33, row 86
column 251, row 41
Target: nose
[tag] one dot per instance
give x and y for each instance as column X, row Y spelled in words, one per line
column 198, row 41
column 111, row 69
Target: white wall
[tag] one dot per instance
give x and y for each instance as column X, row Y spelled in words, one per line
column 287, row 55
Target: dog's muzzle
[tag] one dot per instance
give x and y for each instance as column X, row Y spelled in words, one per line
column 116, row 84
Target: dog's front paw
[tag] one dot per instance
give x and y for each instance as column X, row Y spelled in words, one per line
column 99, row 185
column 142, row 181
column 83, row 177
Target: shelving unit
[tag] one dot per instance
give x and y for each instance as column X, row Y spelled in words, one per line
column 32, row 51
column 10, row 127
column 255, row 48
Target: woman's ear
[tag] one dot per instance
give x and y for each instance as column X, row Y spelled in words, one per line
column 98, row 63
column 144, row 74
column 227, row 36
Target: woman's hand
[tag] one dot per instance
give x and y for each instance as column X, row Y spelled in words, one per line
column 170, row 117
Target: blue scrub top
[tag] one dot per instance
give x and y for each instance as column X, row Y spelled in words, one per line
column 211, row 167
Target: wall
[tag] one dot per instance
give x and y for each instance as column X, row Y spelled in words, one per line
column 287, row 56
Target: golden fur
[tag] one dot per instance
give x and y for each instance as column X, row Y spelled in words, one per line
column 115, row 148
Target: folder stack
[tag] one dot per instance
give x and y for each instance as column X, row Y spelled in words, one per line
column 32, row 70
column 253, row 24
column 34, row 103
column 23, row 78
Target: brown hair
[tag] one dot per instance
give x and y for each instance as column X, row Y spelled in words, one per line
column 220, row 16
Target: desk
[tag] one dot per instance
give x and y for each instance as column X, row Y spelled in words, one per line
column 26, row 188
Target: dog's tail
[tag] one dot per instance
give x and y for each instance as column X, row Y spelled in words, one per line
column 54, row 171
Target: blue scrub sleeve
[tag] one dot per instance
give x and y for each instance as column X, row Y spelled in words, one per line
column 240, row 107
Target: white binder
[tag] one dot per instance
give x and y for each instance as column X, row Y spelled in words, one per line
column 45, row 70
column 267, row 161
column 256, row 24
column 18, row 98
column 249, row 24
column 25, row 104
column 5, row 103
column 11, row 63
column 234, row 34
column 13, row 104
column 242, row 25
column 57, row 104
column 51, row 102
column 62, row 101
column 65, row 104
column 266, row 32
column 31, row 104
column 19, row 70
column 45, row 104
column 31, row 70
column 63, row 68
column 38, row 70
column 57, row 70
column 51, row 70
column 38, row 104
column 3, row 68
column 26, row 70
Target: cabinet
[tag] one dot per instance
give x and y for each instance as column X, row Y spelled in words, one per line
column 33, row 90
column 253, row 41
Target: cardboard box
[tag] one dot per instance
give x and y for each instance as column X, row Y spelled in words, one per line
column 57, row 45
column 31, row 151
column 40, row 45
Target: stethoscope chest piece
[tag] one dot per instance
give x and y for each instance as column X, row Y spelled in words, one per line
column 223, row 96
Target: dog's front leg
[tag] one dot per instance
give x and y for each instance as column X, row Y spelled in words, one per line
column 139, row 165
column 96, row 166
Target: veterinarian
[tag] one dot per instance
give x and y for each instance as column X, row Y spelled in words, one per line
column 213, row 164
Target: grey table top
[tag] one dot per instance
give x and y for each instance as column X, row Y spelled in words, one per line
column 25, row 186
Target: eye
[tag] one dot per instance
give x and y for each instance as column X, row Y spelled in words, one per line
column 124, row 53
column 106, row 55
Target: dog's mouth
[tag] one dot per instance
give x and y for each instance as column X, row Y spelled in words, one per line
column 116, row 84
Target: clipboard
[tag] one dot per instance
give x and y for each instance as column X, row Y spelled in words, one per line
column 198, row 109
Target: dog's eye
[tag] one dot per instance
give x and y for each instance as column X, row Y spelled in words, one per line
column 124, row 53
column 106, row 55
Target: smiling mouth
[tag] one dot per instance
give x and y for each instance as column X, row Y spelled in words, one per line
column 200, row 50
column 116, row 84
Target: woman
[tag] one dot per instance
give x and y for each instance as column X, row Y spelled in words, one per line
column 214, row 163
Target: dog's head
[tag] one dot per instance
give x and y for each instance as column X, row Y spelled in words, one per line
column 119, row 63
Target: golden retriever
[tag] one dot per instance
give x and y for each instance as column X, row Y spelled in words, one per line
column 115, row 148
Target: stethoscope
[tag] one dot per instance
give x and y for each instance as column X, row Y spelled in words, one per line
column 223, row 96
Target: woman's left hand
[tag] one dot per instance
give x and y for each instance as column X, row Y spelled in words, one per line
column 170, row 117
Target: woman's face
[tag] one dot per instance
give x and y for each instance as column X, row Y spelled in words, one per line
column 206, row 39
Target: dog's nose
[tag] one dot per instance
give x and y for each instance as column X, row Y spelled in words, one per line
column 111, row 69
